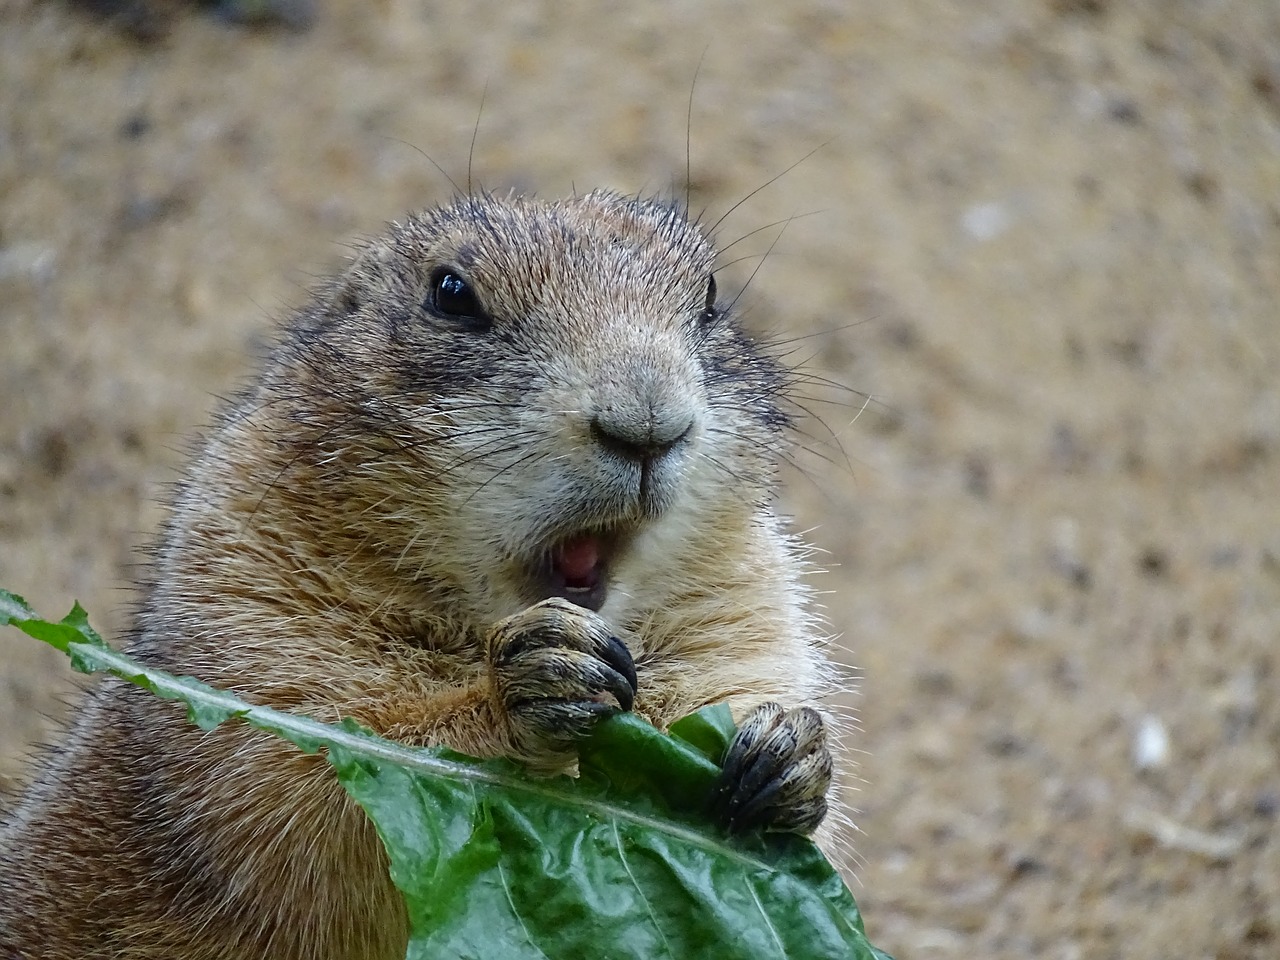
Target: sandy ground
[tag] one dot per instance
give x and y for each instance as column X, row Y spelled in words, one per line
column 1044, row 237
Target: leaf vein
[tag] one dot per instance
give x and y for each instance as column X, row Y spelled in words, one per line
column 773, row 931
column 515, row 912
column 622, row 855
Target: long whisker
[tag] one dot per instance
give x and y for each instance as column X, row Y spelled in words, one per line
column 768, row 183
column 761, row 229
column 733, row 303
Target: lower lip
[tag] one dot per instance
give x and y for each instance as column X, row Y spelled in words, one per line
column 590, row 598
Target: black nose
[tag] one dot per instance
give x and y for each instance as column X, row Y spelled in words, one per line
column 644, row 441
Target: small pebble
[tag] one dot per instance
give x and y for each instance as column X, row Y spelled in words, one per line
column 986, row 221
column 1150, row 744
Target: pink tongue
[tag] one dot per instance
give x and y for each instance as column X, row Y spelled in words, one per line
column 577, row 561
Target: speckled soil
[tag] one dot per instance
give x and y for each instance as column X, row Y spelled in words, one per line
column 1043, row 236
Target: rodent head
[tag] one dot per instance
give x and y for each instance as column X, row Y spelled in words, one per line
column 503, row 393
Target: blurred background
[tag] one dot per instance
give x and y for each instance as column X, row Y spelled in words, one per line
column 1043, row 236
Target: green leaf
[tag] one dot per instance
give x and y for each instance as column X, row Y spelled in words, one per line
column 621, row 862
column 709, row 731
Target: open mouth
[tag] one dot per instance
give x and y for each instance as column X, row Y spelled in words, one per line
column 577, row 568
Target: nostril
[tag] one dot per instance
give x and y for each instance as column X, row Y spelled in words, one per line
column 640, row 442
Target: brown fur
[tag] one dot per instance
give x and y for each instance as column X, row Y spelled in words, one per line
column 352, row 532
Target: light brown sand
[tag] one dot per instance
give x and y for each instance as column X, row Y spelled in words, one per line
column 1046, row 241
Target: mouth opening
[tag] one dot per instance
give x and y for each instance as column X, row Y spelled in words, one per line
column 577, row 568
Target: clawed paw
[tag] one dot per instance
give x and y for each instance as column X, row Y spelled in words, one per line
column 557, row 669
column 777, row 772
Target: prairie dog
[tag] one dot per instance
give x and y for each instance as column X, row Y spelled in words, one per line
column 510, row 471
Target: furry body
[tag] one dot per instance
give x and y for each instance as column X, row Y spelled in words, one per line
column 374, row 531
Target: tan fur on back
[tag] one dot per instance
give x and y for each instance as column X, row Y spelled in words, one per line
column 352, row 531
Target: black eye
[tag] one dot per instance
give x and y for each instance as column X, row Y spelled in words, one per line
column 709, row 314
column 452, row 297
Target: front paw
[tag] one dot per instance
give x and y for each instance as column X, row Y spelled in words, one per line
column 556, row 669
column 777, row 772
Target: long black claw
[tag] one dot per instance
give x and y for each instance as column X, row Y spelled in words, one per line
column 622, row 687
column 616, row 654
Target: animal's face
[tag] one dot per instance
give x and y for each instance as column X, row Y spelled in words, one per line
column 536, row 383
